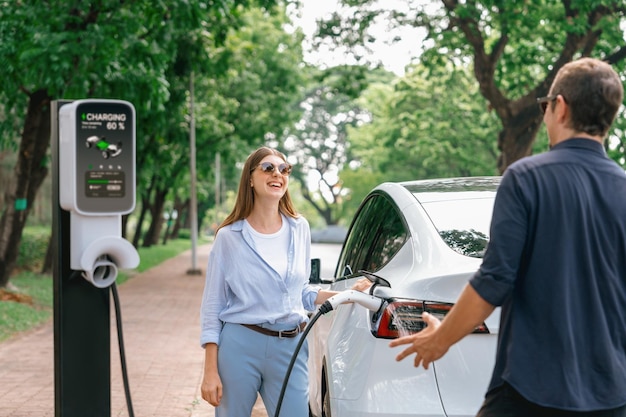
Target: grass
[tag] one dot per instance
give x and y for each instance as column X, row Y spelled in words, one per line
column 154, row 255
column 33, row 307
column 29, row 303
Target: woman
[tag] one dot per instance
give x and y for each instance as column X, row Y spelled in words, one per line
column 257, row 296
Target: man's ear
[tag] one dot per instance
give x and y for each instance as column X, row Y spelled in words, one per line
column 561, row 109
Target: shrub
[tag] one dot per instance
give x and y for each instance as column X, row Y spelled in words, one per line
column 33, row 246
column 184, row 234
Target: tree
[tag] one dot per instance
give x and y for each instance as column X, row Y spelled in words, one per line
column 516, row 48
column 430, row 123
column 318, row 144
column 53, row 50
column 260, row 88
column 244, row 90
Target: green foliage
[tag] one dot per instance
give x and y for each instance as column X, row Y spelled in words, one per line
column 94, row 50
column 263, row 77
column 535, row 34
column 33, row 248
column 616, row 141
column 244, row 61
column 513, row 48
column 319, row 148
column 347, row 80
column 359, row 182
column 304, row 208
column 430, row 123
column 245, row 91
column 184, row 234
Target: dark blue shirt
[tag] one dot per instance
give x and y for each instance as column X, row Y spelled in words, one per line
column 556, row 263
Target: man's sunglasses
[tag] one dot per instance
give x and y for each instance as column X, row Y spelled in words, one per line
column 543, row 102
column 268, row 168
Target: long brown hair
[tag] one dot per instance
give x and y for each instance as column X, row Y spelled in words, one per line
column 245, row 194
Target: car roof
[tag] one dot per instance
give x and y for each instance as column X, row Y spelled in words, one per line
column 441, row 189
column 453, row 184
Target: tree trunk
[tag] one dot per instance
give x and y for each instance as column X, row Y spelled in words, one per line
column 166, row 234
column 145, row 206
column 30, row 171
column 156, row 210
column 145, row 202
column 203, row 207
column 125, row 225
column 516, row 138
column 48, row 261
column 180, row 207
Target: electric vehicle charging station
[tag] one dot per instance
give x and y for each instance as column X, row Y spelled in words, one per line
column 93, row 159
column 97, row 173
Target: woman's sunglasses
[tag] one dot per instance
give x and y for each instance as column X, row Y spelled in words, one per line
column 268, row 168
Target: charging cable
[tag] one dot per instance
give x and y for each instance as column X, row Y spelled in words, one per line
column 368, row 301
column 120, row 341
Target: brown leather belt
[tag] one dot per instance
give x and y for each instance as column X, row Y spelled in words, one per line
column 279, row 333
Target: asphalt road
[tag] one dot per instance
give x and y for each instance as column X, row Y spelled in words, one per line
column 328, row 253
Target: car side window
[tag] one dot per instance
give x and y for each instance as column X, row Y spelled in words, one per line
column 377, row 234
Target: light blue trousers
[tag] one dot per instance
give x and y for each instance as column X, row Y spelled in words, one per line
column 250, row 362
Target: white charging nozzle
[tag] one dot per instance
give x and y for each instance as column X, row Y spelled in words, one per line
column 97, row 248
column 102, row 274
column 368, row 301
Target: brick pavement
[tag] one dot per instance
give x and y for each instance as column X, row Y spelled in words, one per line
column 160, row 313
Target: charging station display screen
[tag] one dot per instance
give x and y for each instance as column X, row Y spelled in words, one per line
column 105, row 157
column 104, row 184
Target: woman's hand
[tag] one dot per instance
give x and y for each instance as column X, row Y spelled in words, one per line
column 212, row 388
column 362, row 284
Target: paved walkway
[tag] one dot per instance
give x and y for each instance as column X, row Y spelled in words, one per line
column 160, row 313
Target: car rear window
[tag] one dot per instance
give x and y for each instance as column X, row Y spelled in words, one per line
column 462, row 219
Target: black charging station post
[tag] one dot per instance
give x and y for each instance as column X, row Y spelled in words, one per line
column 82, row 328
column 93, row 185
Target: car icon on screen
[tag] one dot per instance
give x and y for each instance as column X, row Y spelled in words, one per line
column 108, row 150
column 112, row 150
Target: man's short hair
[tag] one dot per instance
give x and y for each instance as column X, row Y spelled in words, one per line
column 593, row 92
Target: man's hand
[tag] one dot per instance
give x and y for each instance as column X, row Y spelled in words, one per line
column 434, row 341
column 424, row 344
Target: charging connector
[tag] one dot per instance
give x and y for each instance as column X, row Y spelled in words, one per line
column 368, row 301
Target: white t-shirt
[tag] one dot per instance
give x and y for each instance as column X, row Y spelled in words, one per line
column 273, row 247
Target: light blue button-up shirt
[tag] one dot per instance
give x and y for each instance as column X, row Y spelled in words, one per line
column 242, row 288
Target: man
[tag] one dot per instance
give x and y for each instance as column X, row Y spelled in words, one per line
column 556, row 264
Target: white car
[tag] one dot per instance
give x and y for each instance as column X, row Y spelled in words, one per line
column 423, row 240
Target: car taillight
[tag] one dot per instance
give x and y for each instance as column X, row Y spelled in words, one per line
column 404, row 317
